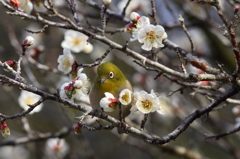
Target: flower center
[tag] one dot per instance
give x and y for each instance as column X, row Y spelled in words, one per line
column 151, row 35
column 125, row 97
column 66, row 63
column 29, row 100
column 77, row 41
column 146, row 104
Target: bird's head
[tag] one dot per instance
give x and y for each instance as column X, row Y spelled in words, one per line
column 109, row 76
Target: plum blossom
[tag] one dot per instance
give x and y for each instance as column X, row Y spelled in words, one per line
column 76, row 42
column 65, row 61
column 158, row 101
column 151, row 36
column 142, row 22
column 75, row 89
column 146, row 103
column 56, row 148
column 109, row 103
column 125, row 97
column 26, row 98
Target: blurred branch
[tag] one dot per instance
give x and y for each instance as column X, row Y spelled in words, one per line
column 60, row 134
column 154, row 15
column 38, row 31
column 72, row 7
column 124, row 9
column 218, row 136
column 108, row 12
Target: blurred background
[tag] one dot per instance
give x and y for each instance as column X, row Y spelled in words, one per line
column 211, row 46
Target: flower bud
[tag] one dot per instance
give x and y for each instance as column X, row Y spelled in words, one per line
column 134, row 16
column 78, row 129
column 4, row 129
column 78, row 84
column 236, row 9
column 129, row 28
column 236, row 110
column 15, row 3
column 74, row 71
column 28, row 41
column 12, row 63
column 107, row 2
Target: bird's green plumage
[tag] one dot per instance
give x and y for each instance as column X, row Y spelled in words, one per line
column 112, row 85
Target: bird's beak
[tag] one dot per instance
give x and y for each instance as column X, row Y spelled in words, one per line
column 102, row 80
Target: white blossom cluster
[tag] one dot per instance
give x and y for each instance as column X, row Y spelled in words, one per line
column 141, row 101
column 146, row 33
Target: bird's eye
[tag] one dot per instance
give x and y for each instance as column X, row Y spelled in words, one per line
column 111, row 74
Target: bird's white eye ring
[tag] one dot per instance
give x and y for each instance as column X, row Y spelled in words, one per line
column 111, row 74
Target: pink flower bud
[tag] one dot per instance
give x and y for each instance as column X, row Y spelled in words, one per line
column 236, row 9
column 4, row 129
column 78, row 129
column 11, row 63
column 134, row 16
column 74, row 71
column 28, row 41
column 15, row 3
column 129, row 28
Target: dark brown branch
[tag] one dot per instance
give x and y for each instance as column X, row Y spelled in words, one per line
column 98, row 60
column 143, row 122
column 218, row 136
column 154, row 14
column 188, row 120
column 31, row 107
column 124, row 9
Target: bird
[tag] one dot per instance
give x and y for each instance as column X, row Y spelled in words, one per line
column 109, row 78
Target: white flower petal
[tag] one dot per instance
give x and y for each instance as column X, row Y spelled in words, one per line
column 65, row 61
column 151, row 36
column 125, row 97
column 76, row 41
column 26, row 98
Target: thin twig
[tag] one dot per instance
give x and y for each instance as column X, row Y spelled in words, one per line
column 143, row 122
column 181, row 20
column 125, row 8
column 60, row 134
column 181, row 63
column 38, row 31
column 98, row 60
column 154, row 14
column 72, row 6
column 218, row 136
column 103, row 16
